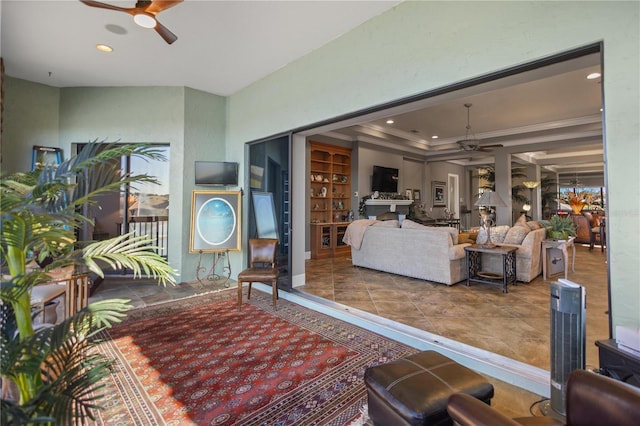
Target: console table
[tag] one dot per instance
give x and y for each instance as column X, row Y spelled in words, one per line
column 617, row 363
column 562, row 245
column 454, row 223
column 474, row 266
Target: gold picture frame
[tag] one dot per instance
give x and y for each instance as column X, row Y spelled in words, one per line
column 215, row 221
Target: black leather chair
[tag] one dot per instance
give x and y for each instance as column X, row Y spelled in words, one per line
column 592, row 399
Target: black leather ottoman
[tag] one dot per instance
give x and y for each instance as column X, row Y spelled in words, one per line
column 414, row 390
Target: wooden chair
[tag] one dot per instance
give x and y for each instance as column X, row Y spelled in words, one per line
column 262, row 267
column 599, row 233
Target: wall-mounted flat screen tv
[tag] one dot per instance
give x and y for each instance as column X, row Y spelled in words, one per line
column 384, row 179
column 218, row 173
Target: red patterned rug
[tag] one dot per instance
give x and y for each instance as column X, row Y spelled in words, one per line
column 200, row 361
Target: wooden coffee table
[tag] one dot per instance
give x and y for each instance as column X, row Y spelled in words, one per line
column 477, row 275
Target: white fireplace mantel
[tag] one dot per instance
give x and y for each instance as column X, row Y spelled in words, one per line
column 379, row 202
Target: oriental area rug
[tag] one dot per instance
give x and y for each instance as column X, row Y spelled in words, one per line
column 200, row 361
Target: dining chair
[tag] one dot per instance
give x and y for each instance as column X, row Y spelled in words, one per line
column 262, row 267
column 598, row 233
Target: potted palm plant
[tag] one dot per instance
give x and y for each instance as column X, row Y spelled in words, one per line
column 561, row 228
column 54, row 373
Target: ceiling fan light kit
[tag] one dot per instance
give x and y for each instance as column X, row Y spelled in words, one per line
column 144, row 20
column 144, row 14
column 472, row 144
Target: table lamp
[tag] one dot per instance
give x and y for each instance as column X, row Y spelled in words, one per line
column 489, row 199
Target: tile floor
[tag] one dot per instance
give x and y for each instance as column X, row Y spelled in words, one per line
column 515, row 324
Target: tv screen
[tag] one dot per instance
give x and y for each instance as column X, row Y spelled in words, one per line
column 216, row 173
column 385, row 179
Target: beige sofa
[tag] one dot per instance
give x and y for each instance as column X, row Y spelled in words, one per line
column 528, row 256
column 413, row 250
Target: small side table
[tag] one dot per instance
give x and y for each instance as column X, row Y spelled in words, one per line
column 474, row 266
column 562, row 245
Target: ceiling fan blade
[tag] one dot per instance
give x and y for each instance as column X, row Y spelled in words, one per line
column 105, row 6
column 158, row 6
column 489, row 148
column 164, row 32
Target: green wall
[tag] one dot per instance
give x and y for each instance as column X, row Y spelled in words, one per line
column 204, row 132
column 30, row 117
column 179, row 116
column 419, row 46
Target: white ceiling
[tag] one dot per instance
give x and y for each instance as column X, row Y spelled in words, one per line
column 550, row 116
column 222, row 46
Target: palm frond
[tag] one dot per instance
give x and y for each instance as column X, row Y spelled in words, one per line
column 40, row 214
column 132, row 252
column 62, row 356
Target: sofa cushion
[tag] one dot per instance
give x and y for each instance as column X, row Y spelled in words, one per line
column 497, row 234
column 516, row 234
column 409, row 224
column 388, row 223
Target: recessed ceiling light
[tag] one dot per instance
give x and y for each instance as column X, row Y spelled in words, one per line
column 104, row 48
column 434, row 137
column 593, row 75
column 390, row 121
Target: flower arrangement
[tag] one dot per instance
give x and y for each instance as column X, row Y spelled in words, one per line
column 578, row 201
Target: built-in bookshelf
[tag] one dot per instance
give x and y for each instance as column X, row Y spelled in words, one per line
column 329, row 198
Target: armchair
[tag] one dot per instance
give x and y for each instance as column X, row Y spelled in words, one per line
column 592, row 399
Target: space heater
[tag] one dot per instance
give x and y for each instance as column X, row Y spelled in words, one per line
column 568, row 331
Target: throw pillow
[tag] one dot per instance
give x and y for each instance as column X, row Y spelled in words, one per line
column 388, row 224
column 497, row 234
column 522, row 221
column 516, row 234
column 533, row 225
column 409, row 224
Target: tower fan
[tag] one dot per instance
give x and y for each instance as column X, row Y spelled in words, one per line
column 568, row 331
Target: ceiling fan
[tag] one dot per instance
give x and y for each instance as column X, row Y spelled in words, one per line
column 144, row 14
column 472, row 143
column 575, row 182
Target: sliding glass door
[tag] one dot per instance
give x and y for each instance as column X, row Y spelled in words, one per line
column 143, row 209
column 269, row 209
